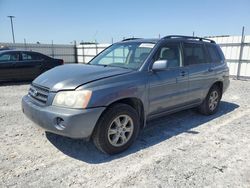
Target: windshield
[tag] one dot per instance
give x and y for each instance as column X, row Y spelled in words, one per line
column 124, row 55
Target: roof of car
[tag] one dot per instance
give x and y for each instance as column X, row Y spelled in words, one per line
column 170, row 38
column 141, row 40
column 11, row 50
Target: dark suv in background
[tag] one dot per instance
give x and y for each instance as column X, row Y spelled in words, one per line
column 112, row 97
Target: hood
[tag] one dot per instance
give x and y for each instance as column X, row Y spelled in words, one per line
column 69, row 77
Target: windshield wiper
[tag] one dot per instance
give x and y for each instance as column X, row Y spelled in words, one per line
column 97, row 65
column 107, row 65
column 117, row 66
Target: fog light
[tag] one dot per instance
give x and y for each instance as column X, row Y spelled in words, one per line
column 60, row 124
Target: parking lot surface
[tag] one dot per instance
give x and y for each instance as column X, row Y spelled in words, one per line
column 184, row 149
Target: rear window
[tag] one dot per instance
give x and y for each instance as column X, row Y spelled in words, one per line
column 194, row 54
column 214, row 54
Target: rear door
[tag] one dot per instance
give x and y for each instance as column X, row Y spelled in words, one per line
column 201, row 73
column 7, row 65
column 168, row 88
column 30, row 65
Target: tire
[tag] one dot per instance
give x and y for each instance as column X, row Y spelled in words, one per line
column 108, row 129
column 211, row 103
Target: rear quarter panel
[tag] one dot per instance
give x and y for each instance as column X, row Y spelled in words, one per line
column 221, row 74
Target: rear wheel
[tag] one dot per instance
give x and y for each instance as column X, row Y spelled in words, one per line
column 116, row 129
column 211, row 103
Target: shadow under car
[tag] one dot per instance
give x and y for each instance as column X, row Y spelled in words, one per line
column 156, row 131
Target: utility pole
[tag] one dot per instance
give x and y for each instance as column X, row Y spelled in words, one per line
column 13, row 36
column 241, row 52
column 25, row 44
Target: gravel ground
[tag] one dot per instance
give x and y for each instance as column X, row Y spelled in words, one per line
column 185, row 149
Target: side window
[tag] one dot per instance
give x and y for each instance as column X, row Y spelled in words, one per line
column 213, row 53
column 5, row 57
column 171, row 53
column 194, row 54
column 9, row 57
column 31, row 56
column 26, row 56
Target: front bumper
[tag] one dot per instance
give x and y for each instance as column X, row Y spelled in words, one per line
column 77, row 123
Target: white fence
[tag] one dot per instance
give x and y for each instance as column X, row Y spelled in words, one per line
column 85, row 52
column 231, row 47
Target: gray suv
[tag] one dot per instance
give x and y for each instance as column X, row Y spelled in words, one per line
column 112, row 97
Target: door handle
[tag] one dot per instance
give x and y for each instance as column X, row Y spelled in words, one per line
column 182, row 73
column 210, row 70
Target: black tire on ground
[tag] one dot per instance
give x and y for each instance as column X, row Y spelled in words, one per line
column 206, row 107
column 101, row 137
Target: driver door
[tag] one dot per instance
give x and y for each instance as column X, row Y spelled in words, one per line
column 168, row 88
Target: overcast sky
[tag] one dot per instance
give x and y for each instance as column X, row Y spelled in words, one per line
column 88, row 20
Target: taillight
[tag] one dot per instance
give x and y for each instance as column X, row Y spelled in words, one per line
column 61, row 61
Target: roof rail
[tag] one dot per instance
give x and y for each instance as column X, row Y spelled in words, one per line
column 188, row 37
column 130, row 39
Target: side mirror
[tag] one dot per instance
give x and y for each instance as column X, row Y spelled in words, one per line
column 159, row 65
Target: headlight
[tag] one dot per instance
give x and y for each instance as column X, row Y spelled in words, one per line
column 72, row 99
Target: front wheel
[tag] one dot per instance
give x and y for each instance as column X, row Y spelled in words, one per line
column 116, row 129
column 211, row 103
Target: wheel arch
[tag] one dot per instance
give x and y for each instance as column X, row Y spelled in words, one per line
column 219, row 84
column 135, row 103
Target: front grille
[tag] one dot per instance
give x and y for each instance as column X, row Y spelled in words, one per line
column 39, row 93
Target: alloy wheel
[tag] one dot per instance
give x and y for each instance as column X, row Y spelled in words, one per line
column 120, row 130
column 213, row 100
